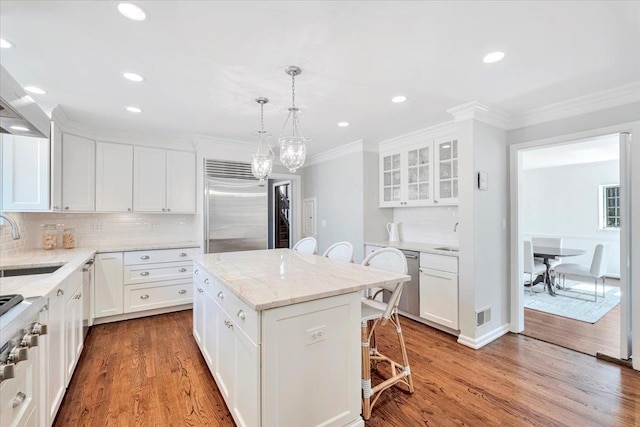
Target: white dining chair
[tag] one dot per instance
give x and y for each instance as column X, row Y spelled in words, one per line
column 376, row 313
column 341, row 251
column 307, row 245
column 595, row 271
column 531, row 266
column 548, row 242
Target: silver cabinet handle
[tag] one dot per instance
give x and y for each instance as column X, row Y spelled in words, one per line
column 200, row 290
column 168, row 210
column 228, row 324
column 45, row 308
column 144, row 257
column 206, row 281
column 55, row 208
column 60, row 292
column 196, row 272
column 144, row 273
column 182, row 270
column 435, row 201
column 145, row 296
column 128, row 209
column 17, row 401
column 220, row 295
column 182, row 291
column 164, row 210
column 241, row 315
column 183, row 254
column 66, row 208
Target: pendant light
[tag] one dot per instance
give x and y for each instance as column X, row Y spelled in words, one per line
column 292, row 147
column 262, row 161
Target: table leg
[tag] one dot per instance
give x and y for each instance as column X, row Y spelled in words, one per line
column 549, row 284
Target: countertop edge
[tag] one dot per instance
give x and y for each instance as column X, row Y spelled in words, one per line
column 428, row 248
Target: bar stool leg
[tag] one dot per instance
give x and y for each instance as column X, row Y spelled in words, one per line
column 403, row 348
column 366, row 371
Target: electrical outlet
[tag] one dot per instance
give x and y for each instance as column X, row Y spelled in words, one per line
column 316, row 335
column 98, row 226
column 323, row 223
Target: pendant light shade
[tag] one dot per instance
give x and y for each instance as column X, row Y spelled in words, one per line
column 293, row 149
column 262, row 161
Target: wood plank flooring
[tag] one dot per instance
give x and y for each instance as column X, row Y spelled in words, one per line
column 149, row 372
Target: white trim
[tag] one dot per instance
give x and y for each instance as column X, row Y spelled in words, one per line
column 334, row 153
column 482, row 113
column 432, row 132
column 476, row 343
column 621, row 95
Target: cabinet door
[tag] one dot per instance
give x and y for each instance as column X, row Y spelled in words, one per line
column 181, row 182
column 56, row 360
column 114, row 177
column 108, row 285
column 78, row 173
column 209, row 331
column 439, row 297
column 246, row 394
column 420, row 175
column 224, row 359
column 391, row 180
column 56, row 168
column 73, row 324
column 198, row 313
column 25, row 173
column 43, row 372
column 446, row 171
column 149, row 179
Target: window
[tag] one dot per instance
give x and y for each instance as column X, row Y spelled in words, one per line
column 610, row 206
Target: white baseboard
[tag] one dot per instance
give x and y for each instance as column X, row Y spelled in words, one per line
column 476, row 343
column 138, row 314
column 357, row 423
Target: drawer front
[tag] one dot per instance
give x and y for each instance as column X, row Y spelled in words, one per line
column 152, row 273
column 19, row 391
column 159, row 255
column 157, row 295
column 240, row 313
column 439, row 262
column 205, row 280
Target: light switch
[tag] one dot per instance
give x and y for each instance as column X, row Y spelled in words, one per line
column 323, row 223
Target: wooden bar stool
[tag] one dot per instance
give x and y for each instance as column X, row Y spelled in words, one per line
column 375, row 313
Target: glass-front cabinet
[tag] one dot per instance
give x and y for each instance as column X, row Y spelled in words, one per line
column 423, row 174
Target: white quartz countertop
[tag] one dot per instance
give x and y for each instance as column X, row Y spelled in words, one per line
column 417, row 246
column 278, row 277
column 145, row 247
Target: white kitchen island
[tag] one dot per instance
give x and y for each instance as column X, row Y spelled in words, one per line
column 280, row 332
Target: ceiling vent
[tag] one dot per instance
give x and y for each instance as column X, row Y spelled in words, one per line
column 224, row 169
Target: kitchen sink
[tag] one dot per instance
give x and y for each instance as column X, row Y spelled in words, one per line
column 446, row 249
column 10, row 272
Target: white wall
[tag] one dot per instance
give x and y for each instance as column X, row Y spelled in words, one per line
column 564, row 202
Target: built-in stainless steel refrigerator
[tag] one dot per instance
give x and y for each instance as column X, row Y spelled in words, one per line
column 236, row 215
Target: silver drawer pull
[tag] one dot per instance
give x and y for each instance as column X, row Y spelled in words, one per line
column 200, row 290
column 206, row 281
column 220, row 295
column 145, row 296
column 182, row 291
column 196, row 272
column 60, row 292
column 183, row 254
column 144, row 257
column 182, row 270
column 242, row 315
column 144, row 273
column 17, row 401
column 228, row 324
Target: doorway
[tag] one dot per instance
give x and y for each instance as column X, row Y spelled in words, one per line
column 281, row 214
column 571, row 193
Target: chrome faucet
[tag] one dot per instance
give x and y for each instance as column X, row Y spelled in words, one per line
column 455, row 227
column 15, row 233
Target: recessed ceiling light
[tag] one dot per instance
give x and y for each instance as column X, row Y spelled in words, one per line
column 398, row 99
column 5, row 44
column 34, row 89
column 134, row 109
column 132, row 11
column 343, row 124
column 134, row 77
column 493, row 57
column 21, row 128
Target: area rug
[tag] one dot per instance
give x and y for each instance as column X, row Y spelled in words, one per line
column 580, row 306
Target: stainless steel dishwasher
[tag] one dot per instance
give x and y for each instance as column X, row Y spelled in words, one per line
column 410, row 299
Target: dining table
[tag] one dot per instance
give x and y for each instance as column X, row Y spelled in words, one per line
column 548, row 253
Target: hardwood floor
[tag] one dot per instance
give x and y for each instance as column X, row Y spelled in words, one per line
column 149, row 372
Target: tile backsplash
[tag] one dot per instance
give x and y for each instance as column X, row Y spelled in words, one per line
column 100, row 230
column 428, row 224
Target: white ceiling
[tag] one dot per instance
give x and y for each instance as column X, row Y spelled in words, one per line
column 600, row 149
column 205, row 62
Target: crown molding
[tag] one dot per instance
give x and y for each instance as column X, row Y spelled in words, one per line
column 334, row 153
column 476, row 111
column 420, row 135
column 617, row 96
column 59, row 116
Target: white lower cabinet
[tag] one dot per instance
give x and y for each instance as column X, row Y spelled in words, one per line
column 439, row 289
column 107, row 293
column 56, row 352
column 19, row 396
column 73, row 325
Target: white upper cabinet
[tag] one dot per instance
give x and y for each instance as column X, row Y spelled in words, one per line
column 181, row 182
column 25, row 173
column 56, row 168
column 114, row 177
column 164, row 180
column 78, row 174
column 419, row 173
column 149, row 179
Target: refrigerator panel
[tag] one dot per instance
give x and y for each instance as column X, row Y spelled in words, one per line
column 237, row 215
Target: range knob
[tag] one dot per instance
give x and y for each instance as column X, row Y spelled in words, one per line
column 6, row 371
column 39, row 329
column 18, row 354
column 29, row 340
